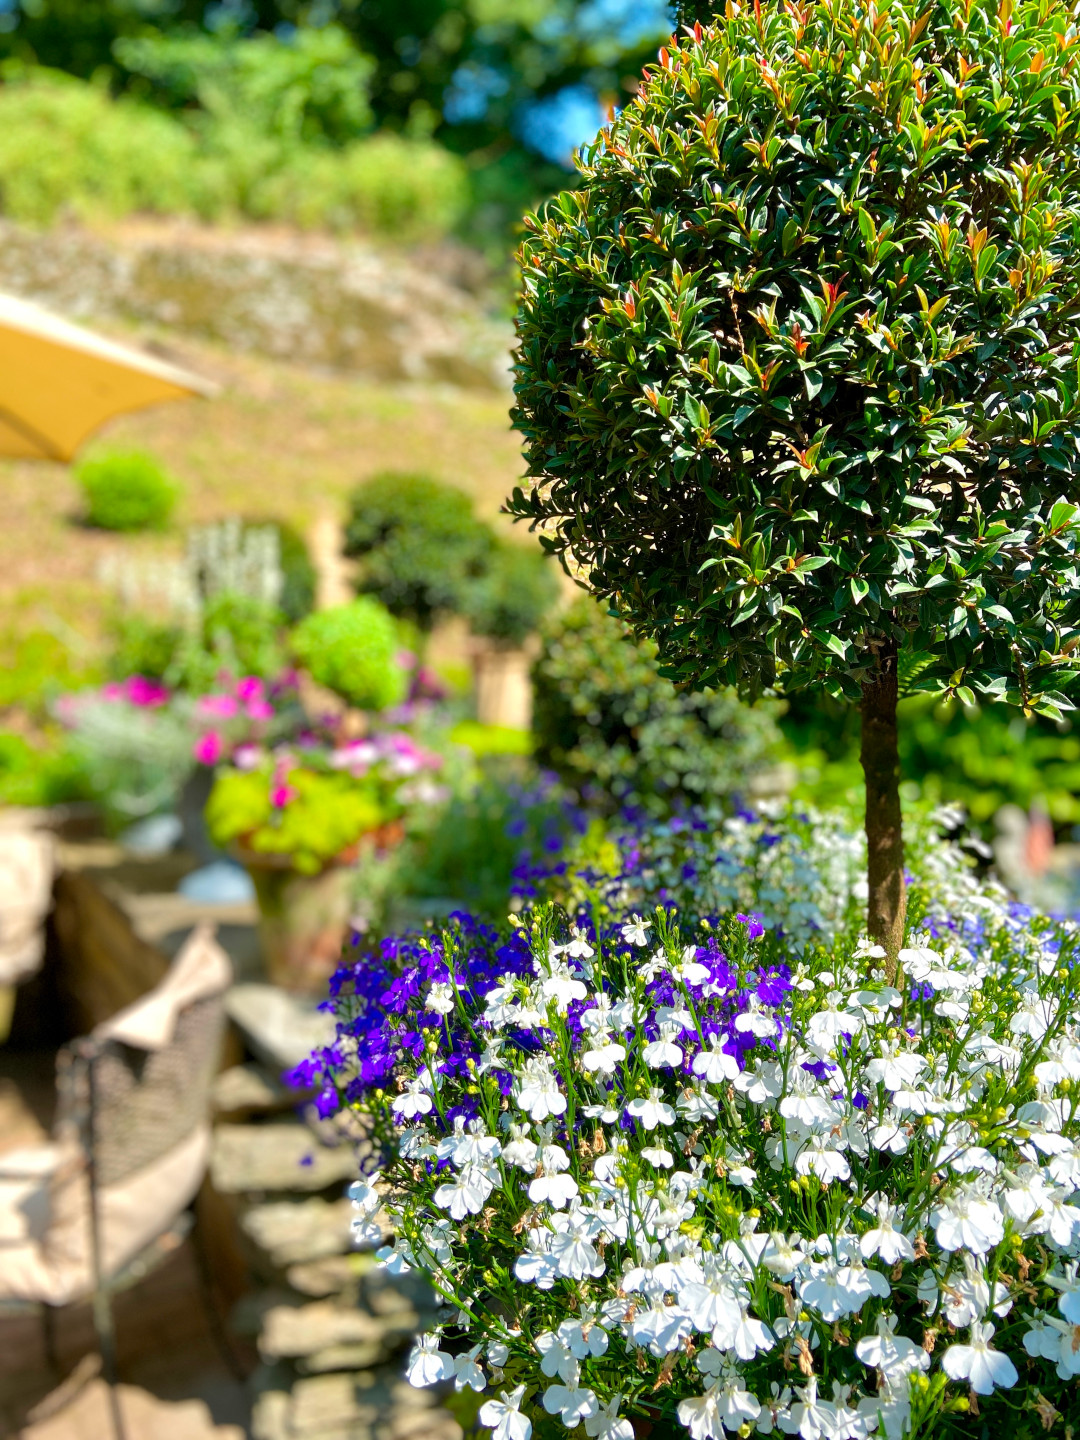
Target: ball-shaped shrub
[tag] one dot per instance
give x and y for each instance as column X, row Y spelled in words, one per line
column 798, row 361
column 419, row 545
column 127, row 490
column 352, row 649
column 618, row 731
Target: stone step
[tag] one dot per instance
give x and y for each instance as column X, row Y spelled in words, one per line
column 371, row 1406
column 278, row 1156
column 295, row 1332
column 292, row 1232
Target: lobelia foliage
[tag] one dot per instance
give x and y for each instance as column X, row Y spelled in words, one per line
column 798, row 364
column 682, row 1171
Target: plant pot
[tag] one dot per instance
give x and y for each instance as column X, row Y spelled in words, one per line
column 303, row 920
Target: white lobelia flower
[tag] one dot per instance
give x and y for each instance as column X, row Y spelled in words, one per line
column 536, row 1265
column 584, row 1339
column 633, row 932
column 663, row 1053
column 826, row 1027
column 701, row 1415
column 504, row 1416
column 538, row 1090
column 690, row 969
column 604, row 1058
column 427, row 1364
column 440, row 998
column 556, row 1357
column 714, row 1064
column 659, row 1157
column 743, row 1335
column 783, row 1257
column 473, row 1146
column 572, row 1251
column 894, row 1355
column 755, row 1022
column 964, row 1298
column 818, row 1157
column 884, row 1239
column 894, row 1068
column 660, row 1328
column 606, row 1425
column 979, row 1363
column 651, row 1110
column 467, row 1192
column 714, row 1300
column 467, row 1371
column 968, row 1219
column 415, row 1100
column 571, row 1402
column 553, row 1185
column 521, row 1150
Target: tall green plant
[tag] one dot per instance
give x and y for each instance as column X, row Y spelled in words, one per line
column 798, row 366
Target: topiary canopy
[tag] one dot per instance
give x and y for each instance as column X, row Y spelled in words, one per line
column 798, row 366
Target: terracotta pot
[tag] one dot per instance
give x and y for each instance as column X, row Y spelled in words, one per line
column 303, row 920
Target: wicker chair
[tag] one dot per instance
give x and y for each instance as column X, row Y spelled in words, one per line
column 129, row 1151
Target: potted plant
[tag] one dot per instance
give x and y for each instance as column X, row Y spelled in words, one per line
column 297, row 817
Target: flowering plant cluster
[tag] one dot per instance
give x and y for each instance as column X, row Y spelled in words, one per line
column 237, row 717
column 311, row 803
column 674, row 1172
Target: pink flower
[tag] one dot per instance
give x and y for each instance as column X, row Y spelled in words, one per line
column 250, row 688
column 113, row 691
column 260, row 710
column 147, row 693
column 224, row 707
column 280, row 795
column 246, row 757
column 209, row 748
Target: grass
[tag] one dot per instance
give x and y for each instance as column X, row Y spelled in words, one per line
column 278, row 440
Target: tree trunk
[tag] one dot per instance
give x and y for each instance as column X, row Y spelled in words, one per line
column 887, row 900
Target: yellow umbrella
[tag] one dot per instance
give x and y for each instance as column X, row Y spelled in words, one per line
column 59, row 382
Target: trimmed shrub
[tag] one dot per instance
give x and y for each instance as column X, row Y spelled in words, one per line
column 419, row 545
column 612, row 726
column 127, row 490
column 352, row 650
column 797, row 372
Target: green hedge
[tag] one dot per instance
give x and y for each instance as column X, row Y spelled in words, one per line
column 67, row 147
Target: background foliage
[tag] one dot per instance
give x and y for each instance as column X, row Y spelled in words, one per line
column 613, row 727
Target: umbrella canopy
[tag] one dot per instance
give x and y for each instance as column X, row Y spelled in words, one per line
column 59, row 382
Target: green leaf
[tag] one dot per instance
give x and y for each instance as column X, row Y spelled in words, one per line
column 859, row 589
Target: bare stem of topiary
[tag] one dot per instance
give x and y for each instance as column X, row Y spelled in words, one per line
column 887, row 900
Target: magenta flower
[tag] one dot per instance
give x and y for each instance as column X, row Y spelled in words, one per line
column 260, row 710
column 280, row 795
column 146, row 693
column 209, row 748
column 222, row 707
column 250, row 688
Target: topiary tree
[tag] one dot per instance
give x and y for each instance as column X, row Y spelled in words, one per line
column 798, row 365
column 419, row 545
column 609, row 724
